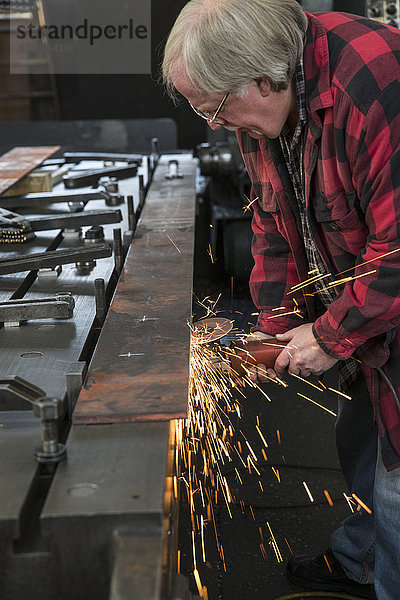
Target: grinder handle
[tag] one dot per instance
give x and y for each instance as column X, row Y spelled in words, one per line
column 255, row 352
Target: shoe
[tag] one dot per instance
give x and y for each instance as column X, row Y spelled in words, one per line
column 324, row 573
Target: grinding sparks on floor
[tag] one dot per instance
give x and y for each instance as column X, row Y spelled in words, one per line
column 213, row 456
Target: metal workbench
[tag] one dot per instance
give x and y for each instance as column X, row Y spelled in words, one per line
column 100, row 524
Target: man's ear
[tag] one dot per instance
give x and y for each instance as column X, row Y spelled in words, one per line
column 264, row 86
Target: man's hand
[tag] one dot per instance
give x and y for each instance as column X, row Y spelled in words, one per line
column 302, row 355
column 260, row 373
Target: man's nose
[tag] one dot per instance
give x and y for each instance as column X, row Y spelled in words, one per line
column 214, row 126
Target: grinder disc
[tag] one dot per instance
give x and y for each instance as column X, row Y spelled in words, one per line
column 210, row 330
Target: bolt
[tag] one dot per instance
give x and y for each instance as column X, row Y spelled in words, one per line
column 84, row 267
column 118, row 250
column 49, row 410
column 100, row 298
column 131, row 213
column 94, row 234
column 142, row 192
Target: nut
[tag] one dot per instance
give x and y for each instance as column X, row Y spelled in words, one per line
column 47, row 409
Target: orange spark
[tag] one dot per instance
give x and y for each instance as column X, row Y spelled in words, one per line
column 172, row 242
column 341, row 393
column 327, row 563
column 316, row 403
column 249, row 203
column 261, row 436
column 275, row 545
column 305, row 381
column 362, row 504
column 308, row 491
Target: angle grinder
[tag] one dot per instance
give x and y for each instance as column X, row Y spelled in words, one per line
column 241, row 353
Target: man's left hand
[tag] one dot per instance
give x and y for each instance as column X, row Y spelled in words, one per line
column 302, row 355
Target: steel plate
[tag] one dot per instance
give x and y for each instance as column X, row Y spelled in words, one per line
column 140, row 368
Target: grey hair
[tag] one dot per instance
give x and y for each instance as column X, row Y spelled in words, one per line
column 225, row 44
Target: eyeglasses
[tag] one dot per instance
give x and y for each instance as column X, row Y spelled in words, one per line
column 209, row 115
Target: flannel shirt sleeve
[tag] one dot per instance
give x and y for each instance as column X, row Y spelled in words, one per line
column 370, row 305
column 273, row 275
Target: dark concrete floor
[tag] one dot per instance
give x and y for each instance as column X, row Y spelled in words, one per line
column 306, row 454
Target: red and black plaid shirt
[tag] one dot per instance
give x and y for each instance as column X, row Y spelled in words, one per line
column 352, row 195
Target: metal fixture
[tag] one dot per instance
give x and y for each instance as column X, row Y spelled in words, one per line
column 94, row 234
column 74, row 157
column 111, row 186
column 60, row 306
column 15, row 228
column 92, row 176
column 173, row 170
column 100, row 298
column 38, row 199
column 49, row 410
column 53, row 258
column 131, row 213
column 88, row 217
column 118, row 249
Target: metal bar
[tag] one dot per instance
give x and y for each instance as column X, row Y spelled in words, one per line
column 73, row 157
column 54, row 258
column 92, row 176
column 140, row 366
column 60, row 306
column 37, row 199
column 71, row 220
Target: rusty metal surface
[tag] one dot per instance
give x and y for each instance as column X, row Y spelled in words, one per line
column 22, row 160
column 139, row 371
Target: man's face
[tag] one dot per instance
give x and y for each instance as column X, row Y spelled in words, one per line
column 261, row 112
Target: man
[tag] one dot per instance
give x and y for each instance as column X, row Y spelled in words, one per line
column 315, row 103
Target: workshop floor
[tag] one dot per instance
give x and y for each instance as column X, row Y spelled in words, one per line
column 283, row 509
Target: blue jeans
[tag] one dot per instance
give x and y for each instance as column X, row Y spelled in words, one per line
column 367, row 546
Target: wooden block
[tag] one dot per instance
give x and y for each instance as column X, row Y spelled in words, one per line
column 37, row 181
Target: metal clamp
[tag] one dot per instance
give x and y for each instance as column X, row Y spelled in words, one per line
column 60, row 306
column 48, row 410
column 53, row 258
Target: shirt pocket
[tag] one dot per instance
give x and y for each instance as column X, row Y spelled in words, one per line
column 340, row 222
column 267, row 197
